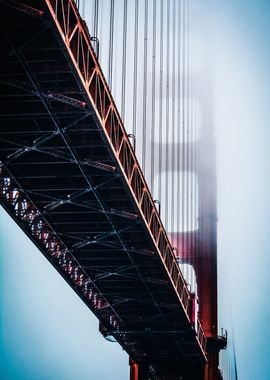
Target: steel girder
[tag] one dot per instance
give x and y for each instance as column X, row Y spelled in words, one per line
column 71, row 180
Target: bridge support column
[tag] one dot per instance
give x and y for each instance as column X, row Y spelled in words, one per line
column 198, row 248
column 138, row 371
column 134, row 370
column 167, row 371
column 211, row 371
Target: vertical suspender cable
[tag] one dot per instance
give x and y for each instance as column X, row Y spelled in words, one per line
column 197, row 161
column 144, row 83
column 189, row 143
column 167, row 115
column 187, row 122
column 185, row 207
column 153, row 98
column 178, row 119
column 135, row 76
column 193, row 124
column 187, row 138
column 96, row 18
column 183, row 117
column 111, row 44
column 187, row 125
column 160, row 161
column 124, row 62
column 192, row 199
column 191, row 105
column 94, row 30
column 173, row 122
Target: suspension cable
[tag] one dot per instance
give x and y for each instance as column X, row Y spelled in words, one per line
column 124, row 62
column 173, row 121
column 111, row 40
column 189, row 126
column 183, row 116
column 135, row 76
column 187, row 134
column 178, row 120
column 160, row 161
column 96, row 18
column 167, row 115
column 144, row 83
column 153, row 98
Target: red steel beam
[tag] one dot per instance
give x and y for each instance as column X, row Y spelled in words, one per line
column 75, row 36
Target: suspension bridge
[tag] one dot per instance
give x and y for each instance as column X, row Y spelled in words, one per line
column 122, row 203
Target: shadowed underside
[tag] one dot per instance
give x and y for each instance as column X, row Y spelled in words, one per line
column 70, row 179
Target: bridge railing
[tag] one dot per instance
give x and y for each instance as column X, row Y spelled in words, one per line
column 42, row 233
column 75, row 35
column 201, row 336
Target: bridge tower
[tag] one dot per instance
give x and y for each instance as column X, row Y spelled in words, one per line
column 198, row 248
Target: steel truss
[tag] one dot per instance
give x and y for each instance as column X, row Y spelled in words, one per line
column 71, row 180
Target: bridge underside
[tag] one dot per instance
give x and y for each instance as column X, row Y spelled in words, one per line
column 61, row 182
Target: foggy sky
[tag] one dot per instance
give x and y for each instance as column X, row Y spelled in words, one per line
column 48, row 333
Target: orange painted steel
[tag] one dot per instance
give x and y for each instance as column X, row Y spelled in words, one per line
column 134, row 370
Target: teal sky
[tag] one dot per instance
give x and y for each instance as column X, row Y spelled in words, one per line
column 242, row 114
column 47, row 333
